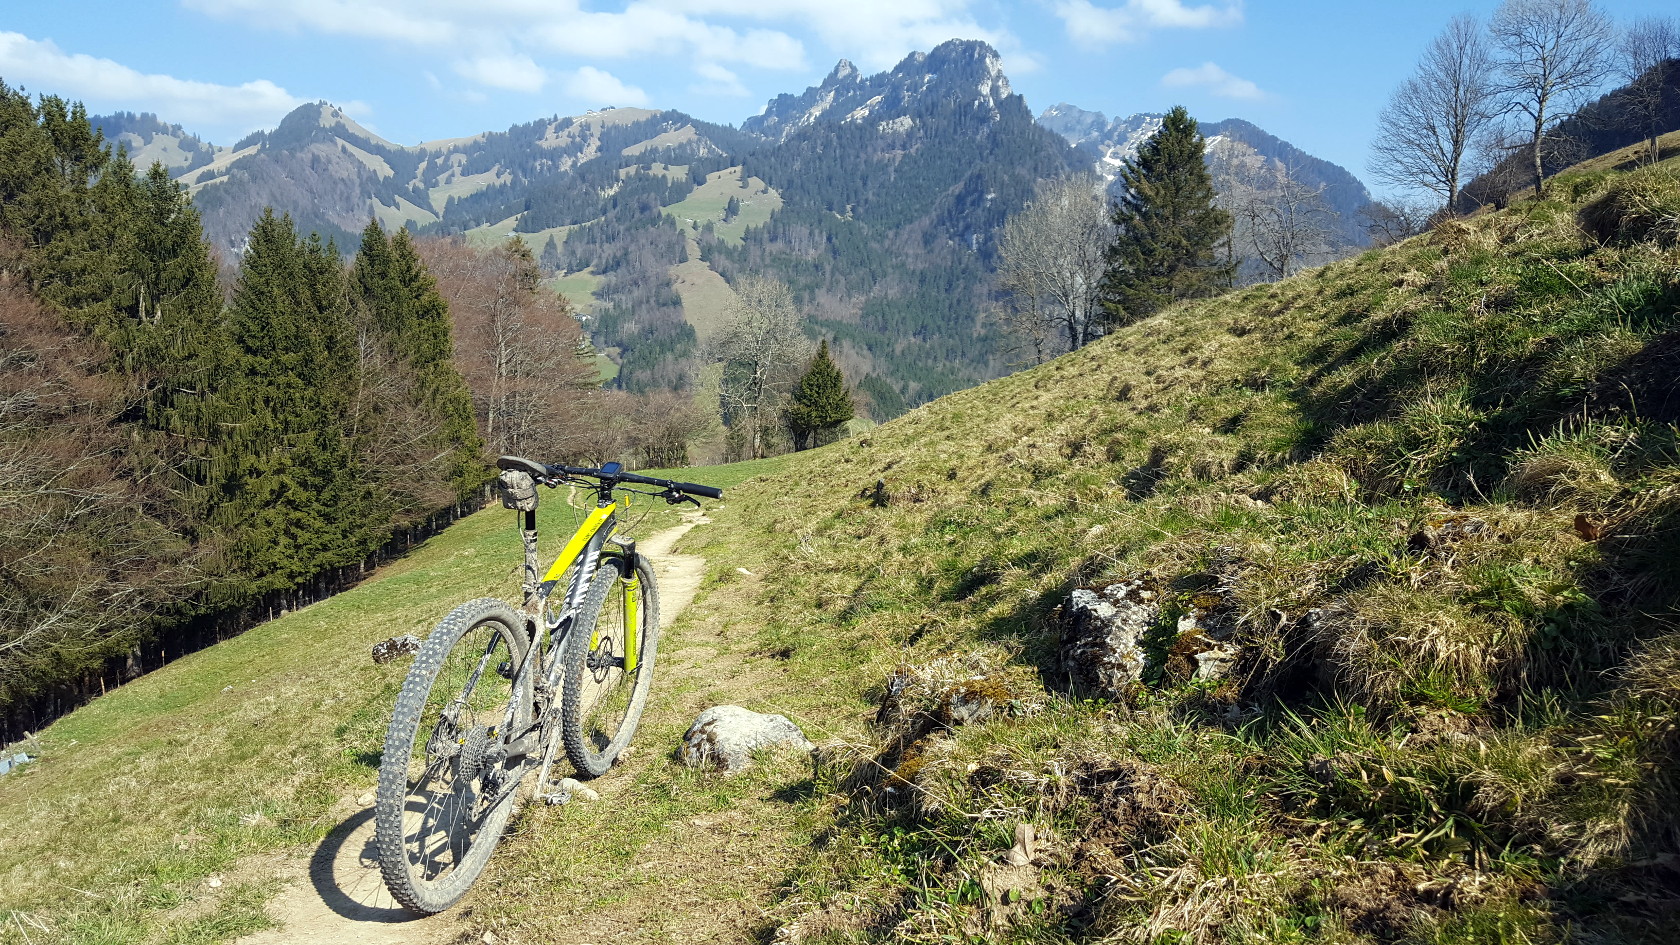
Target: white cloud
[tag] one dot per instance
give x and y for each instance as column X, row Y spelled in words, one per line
column 516, row 73
column 643, row 30
column 759, row 34
column 1215, row 80
column 716, row 80
column 1092, row 26
column 594, row 87
column 380, row 19
column 489, row 36
column 104, row 84
column 875, row 33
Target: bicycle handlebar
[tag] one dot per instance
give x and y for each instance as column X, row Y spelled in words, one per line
column 544, row 471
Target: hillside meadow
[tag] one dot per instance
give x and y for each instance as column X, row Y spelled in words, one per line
column 1431, row 493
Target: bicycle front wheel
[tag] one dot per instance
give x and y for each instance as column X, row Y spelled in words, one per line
column 609, row 664
column 445, row 784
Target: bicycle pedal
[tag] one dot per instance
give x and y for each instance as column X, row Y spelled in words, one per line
column 505, row 670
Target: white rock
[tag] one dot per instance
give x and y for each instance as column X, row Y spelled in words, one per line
column 725, row 736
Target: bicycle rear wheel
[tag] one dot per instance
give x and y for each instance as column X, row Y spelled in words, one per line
column 605, row 689
column 445, row 786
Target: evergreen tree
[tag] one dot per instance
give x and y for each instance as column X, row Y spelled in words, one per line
column 1169, row 231
column 293, row 501
column 425, row 412
column 551, row 259
column 170, row 338
column 820, row 401
column 68, row 202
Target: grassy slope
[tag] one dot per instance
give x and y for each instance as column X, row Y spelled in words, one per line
column 708, row 201
column 252, row 745
column 1441, row 732
column 707, row 299
column 1435, row 491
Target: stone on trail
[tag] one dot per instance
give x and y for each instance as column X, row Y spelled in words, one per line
column 725, row 736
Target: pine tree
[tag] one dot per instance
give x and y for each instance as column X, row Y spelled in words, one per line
column 820, row 401
column 551, row 259
column 424, row 410
column 293, row 499
column 170, row 337
column 1167, row 247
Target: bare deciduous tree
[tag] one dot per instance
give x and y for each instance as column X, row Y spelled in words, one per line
column 87, row 562
column 1388, row 222
column 762, row 348
column 1552, row 54
column 664, row 423
column 1435, row 117
column 1642, row 61
column 1291, row 226
column 1050, row 266
column 1279, row 223
column 521, row 351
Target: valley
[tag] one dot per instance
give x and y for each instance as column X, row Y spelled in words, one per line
column 892, row 257
column 1332, row 464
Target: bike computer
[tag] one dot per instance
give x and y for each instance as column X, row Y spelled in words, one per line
column 610, row 469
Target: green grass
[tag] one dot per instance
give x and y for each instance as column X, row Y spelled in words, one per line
column 577, row 287
column 1408, row 713
column 1433, row 494
column 707, row 203
column 607, row 367
column 707, row 300
column 460, row 187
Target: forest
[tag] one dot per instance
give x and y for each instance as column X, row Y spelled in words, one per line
column 183, row 455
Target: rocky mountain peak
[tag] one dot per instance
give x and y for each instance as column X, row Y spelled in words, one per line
column 956, row 70
column 843, row 71
column 1072, row 122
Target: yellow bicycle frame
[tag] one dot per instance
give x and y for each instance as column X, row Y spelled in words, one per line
column 630, row 584
column 580, row 540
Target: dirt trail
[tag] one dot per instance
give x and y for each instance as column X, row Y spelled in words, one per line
column 334, row 894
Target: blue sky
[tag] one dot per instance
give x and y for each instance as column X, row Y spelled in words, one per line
column 1313, row 72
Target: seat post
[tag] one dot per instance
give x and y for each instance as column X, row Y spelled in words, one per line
column 529, row 534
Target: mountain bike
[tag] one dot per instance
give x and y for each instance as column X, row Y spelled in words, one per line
column 496, row 690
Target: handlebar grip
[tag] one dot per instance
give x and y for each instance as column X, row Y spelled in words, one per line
column 710, row 492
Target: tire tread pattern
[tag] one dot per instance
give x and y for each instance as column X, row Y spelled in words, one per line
column 392, row 793
column 589, row 762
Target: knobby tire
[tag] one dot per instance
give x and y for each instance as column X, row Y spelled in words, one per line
column 441, row 806
column 602, row 704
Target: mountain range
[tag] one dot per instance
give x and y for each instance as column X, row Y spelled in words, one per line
column 1110, row 143
column 877, row 198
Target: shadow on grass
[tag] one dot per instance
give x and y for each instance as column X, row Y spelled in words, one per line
column 797, row 793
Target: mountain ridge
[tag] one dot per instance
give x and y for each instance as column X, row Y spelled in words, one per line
column 1111, row 143
column 876, row 197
